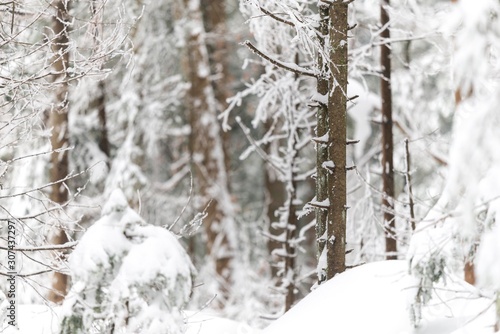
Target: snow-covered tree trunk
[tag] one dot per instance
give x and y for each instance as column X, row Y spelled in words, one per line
column 387, row 139
column 322, row 143
column 60, row 134
column 206, row 148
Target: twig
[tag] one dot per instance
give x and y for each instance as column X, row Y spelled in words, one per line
column 277, row 18
column 26, row 275
column 187, row 203
column 287, row 66
column 67, row 245
column 408, row 182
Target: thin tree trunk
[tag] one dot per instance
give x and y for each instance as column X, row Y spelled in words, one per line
column 101, row 112
column 387, row 139
column 322, row 142
column 290, row 231
column 206, row 149
column 409, row 185
column 60, row 137
column 337, row 126
column 274, row 199
column 100, row 101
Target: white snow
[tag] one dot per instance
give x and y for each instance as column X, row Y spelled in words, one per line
column 203, row 323
column 361, row 111
column 373, row 299
column 41, row 319
column 137, row 274
column 488, row 260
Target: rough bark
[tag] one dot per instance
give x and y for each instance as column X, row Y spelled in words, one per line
column 206, row 149
column 387, row 138
column 60, row 137
column 337, row 126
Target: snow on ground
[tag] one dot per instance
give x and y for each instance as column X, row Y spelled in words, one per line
column 40, row 319
column 373, row 298
column 202, row 323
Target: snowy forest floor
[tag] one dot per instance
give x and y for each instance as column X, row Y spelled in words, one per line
column 371, row 298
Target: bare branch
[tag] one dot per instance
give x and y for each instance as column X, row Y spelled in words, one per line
column 274, row 16
column 67, row 245
column 292, row 67
column 26, row 275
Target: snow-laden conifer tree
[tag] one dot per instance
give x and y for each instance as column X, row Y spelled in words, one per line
column 468, row 208
column 127, row 276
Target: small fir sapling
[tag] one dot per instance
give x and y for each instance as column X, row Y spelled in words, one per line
column 127, row 276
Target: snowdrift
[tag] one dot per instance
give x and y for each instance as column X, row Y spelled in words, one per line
column 373, row 298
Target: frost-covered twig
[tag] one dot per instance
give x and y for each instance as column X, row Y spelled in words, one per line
column 284, row 65
column 26, row 275
column 68, row 245
column 274, row 16
column 408, row 183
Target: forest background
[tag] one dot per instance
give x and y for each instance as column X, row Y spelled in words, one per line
column 281, row 142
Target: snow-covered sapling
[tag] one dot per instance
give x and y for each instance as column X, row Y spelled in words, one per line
column 127, row 276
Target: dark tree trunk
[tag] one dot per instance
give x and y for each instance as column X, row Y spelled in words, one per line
column 387, row 140
column 331, row 142
column 337, row 126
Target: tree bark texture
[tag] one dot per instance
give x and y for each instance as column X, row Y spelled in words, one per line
column 387, row 138
column 60, row 136
column 337, row 126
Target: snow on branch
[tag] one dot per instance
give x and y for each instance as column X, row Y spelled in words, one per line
column 285, row 65
column 274, row 16
column 67, row 245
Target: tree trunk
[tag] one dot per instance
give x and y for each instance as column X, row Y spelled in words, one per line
column 60, row 137
column 290, row 231
column 206, row 149
column 322, row 142
column 101, row 111
column 387, row 140
column 274, row 199
column 331, row 141
column 214, row 19
column 100, row 101
column 337, row 127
